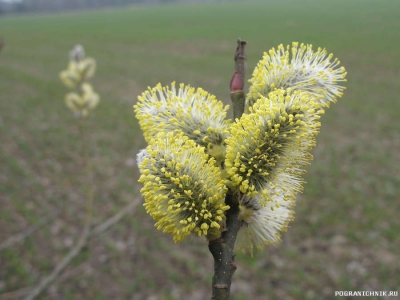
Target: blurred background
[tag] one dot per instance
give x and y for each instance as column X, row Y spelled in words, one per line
column 346, row 232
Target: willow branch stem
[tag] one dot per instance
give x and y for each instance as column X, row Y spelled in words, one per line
column 222, row 249
column 88, row 173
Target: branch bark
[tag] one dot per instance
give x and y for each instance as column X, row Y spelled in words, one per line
column 222, row 252
column 222, row 248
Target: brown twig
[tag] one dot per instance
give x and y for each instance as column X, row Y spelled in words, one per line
column 222, row 249
column 222, row 252
column 236, row 86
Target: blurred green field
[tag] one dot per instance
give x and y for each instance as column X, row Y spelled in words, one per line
column 346, row 232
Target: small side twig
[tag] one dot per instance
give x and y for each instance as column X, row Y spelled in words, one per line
column 26, row 232
column 45, row 282
column 89, row 173
column 115, row 219
column 15, row 294
column 85, row 237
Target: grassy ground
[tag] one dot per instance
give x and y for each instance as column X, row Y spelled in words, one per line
column 346, row 232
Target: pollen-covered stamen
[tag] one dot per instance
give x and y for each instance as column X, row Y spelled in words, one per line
column 183, row 189
column 298, row 68
column 269, row 147
column 141, row 156
column 196, row 113
column 262, row 225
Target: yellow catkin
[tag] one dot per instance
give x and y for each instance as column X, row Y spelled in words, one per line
column 273, row 158
column 194, row 112
column 298, row 68
column 190, row 201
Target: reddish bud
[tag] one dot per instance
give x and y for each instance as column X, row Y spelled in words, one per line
column 236, row 82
